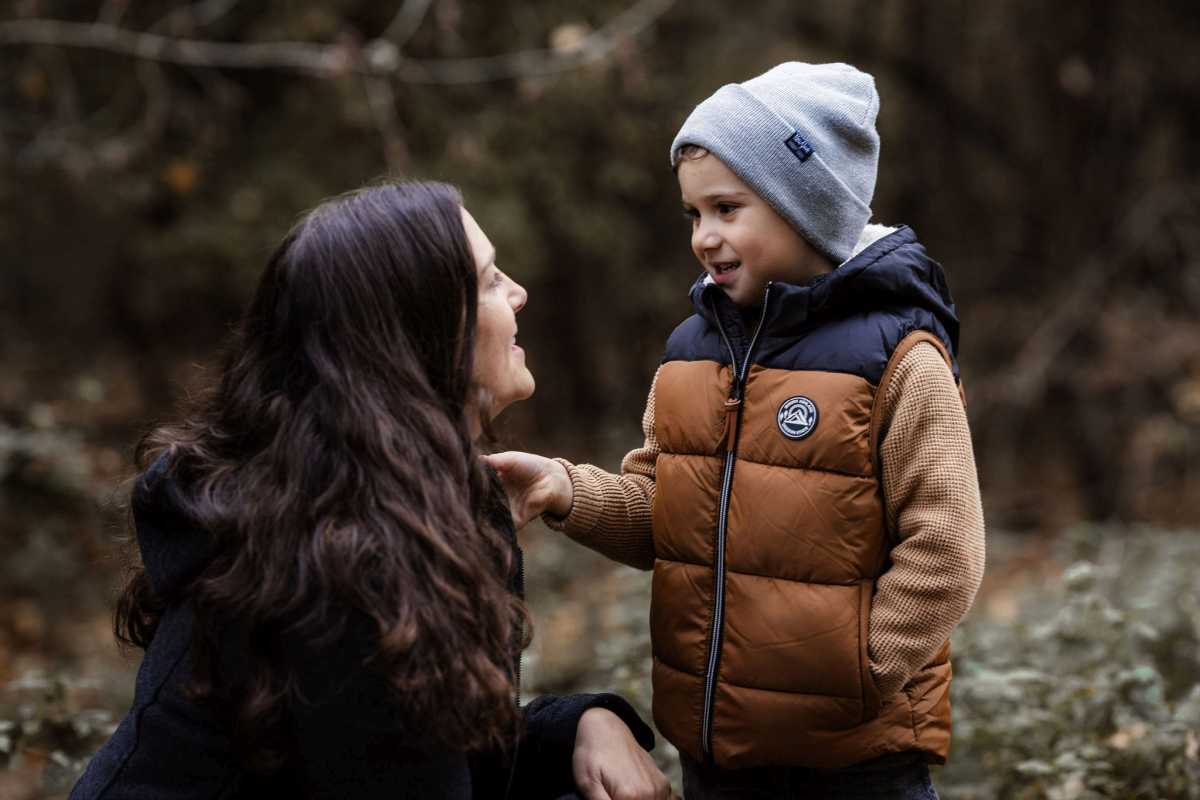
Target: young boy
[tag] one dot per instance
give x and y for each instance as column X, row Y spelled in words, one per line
column 806, row 493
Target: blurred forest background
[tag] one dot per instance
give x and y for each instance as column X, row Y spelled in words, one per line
column 152, row 154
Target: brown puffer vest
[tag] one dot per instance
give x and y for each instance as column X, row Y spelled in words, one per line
column 769, row 522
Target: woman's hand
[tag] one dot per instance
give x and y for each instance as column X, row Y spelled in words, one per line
column 609, row 764
column 534, row 485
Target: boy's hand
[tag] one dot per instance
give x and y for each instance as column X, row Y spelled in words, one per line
column 534, row 485
column 609, row 764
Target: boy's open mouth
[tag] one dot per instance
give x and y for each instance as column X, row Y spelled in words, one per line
column 725, row 266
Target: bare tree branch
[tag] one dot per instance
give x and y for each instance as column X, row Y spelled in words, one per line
column 329, row 60
column 158, row 101
column 1024, row 382
column 320, row 59
column 537, row 63
column 382, row 101
column 194, row 15
column 379, row 62
column 112, row 11
column 66, row 99
column 406, row 22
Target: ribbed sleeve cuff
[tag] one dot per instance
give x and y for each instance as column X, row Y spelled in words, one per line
column 587, row 506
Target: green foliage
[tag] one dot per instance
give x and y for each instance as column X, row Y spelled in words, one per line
column 1093, row 692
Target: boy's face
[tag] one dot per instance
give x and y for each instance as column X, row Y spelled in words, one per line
column 738, row 238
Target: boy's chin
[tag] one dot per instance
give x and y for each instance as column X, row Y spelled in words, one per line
column 744, row 297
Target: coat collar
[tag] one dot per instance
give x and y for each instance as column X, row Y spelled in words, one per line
column 892, row 271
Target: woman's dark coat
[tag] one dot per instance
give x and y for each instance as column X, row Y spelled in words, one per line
column 346, row 740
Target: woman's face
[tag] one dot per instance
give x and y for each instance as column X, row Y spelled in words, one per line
column 499, row 363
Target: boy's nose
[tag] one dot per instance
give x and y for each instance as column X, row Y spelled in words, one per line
column 704, row 238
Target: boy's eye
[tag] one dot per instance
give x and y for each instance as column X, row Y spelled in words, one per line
column 726, row 208
column 691, row 214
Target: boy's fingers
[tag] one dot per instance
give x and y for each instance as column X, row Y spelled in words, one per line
column 511, row 465
column 499, row 461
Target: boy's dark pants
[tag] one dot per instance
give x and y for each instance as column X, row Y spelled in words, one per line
column 903, row 776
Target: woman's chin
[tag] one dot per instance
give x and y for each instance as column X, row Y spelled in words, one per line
column 528, row 385
column 522, row 389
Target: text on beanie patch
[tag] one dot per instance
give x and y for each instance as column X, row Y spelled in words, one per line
column 799, row 146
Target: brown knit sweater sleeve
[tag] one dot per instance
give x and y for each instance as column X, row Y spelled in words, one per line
column 611, row 514
column 932, row 497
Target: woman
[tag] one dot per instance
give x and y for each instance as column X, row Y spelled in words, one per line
column 330, row 592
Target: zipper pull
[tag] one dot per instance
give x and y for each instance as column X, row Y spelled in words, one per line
column 732, row 406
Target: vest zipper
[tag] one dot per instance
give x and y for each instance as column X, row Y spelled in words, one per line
column 733, row 415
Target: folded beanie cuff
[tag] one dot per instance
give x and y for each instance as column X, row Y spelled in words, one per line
column 757, row 145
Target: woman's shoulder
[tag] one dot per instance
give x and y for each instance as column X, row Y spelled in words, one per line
column 166, row 738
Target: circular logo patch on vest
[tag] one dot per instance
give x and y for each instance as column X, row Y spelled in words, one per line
column 797, row 417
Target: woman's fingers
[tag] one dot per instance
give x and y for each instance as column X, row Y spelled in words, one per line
column 609, row 764
column 593, row 789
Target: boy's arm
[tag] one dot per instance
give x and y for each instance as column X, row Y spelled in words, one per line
column 611, row 514
column 932, row 496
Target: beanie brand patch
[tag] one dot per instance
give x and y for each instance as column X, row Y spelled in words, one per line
column 799, row 146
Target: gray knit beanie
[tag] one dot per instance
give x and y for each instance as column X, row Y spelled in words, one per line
column 803, row 137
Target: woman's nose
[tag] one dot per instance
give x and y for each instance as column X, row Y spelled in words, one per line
column 518, row 296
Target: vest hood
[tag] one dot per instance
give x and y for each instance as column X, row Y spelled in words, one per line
column 174, row 549
column 894, row 271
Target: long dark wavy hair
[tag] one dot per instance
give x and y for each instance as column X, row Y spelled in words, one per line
column 335, row 470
